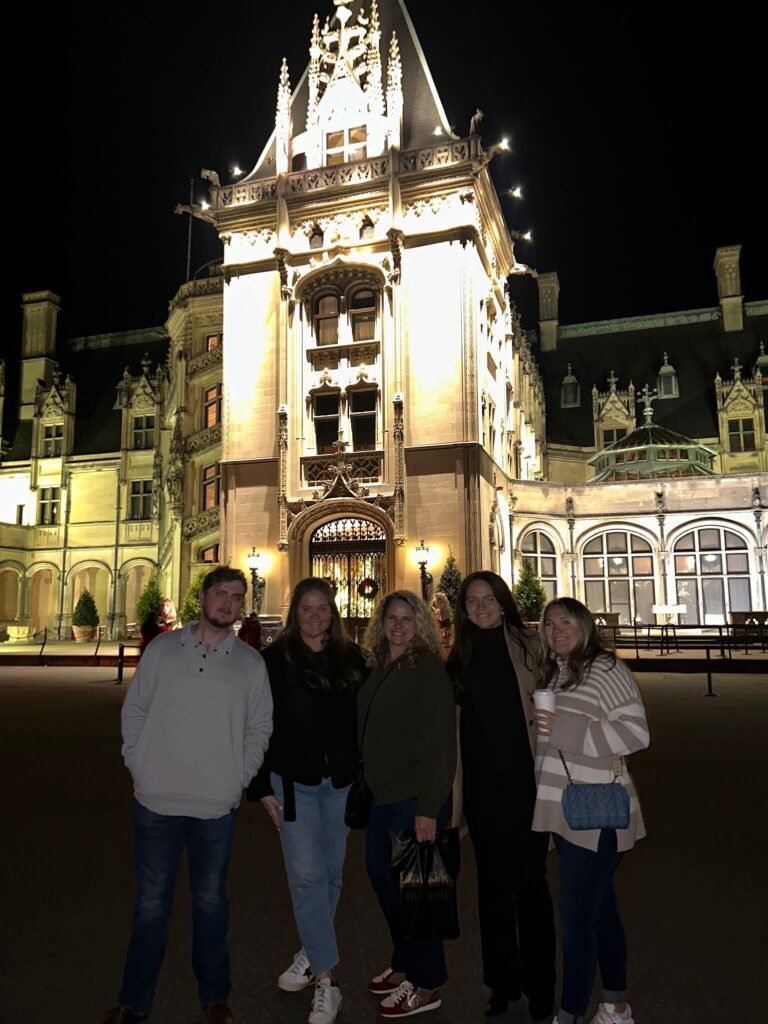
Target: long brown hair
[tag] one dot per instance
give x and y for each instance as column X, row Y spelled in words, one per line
column 461, row 652
column 426, row 640
column 581, row 657
column 336, row 664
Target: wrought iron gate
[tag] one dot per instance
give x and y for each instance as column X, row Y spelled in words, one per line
column 351, row 554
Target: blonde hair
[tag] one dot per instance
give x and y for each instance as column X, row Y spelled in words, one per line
column 426, row 640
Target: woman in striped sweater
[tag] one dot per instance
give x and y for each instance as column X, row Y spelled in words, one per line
column 598, row 720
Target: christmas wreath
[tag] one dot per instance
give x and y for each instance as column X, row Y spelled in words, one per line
column 368, row 588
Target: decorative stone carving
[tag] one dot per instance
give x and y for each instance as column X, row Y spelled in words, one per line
column 282, row 497
column 208, row 520
column 398, row 437
column 203, row 439
column 205, row 361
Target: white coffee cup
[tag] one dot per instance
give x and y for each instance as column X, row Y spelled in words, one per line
column 544, row 700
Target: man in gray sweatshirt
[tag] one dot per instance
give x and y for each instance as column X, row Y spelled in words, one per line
column 196, row 722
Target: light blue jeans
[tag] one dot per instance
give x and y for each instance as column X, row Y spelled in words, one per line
column 314, row 847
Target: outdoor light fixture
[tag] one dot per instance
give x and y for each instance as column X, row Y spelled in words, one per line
column 253, row 561
column 236, row 170
column 205, row 206
column 516, row 192
column 422, row 556
column 438, row 130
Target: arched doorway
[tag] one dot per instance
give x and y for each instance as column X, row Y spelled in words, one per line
column 9, row 594
column 351, row 553
column 42, row 599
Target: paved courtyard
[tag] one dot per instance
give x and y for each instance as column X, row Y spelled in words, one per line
column 693, row 893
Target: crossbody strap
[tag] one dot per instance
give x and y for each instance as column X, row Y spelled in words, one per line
column 616, row 768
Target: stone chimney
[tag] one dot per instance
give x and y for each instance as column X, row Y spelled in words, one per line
column 729, row 287
column 38, row 346
column 549, row 290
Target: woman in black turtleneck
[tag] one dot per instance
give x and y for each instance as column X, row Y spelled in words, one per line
column 491, row 664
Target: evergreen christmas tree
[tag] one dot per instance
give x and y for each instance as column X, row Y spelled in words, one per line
column 450, row 581
column 529, row 593
column 149, row 602
column 85, row 613
column 190, row 608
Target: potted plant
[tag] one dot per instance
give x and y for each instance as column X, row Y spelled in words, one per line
column 85, row 618
column 530, row 595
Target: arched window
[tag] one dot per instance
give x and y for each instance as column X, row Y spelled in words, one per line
column 327, row 319
column 539, row 549
column 570, row 391
column 362, row 313
column 618, row 576
column 712, row 575
column 666, row 382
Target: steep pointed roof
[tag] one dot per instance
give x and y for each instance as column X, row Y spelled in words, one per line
column 422, row 110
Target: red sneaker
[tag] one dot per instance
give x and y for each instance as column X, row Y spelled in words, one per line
column 386, row 982
column 407, row 1000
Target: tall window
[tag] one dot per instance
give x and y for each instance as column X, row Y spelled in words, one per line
column 539, row 549
column 618, row 576
column 362, row 414
column 343, row 146
column 53, row 440
column 48, row 506
column 712, row 575
column 570, row 391
column 362, row 312
column 141, row 499
column 212, row 409
column 143, row 432
column 611, row 434
column 741, row 435
column 326, row 416
column 327, row 320
column 211, row 482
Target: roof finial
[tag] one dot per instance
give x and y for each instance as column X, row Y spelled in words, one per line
column 736, row 367
column 612, row 380
column 648, row 396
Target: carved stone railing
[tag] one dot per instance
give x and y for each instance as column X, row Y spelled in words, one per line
column 341, row 175
column 205, row 361
column 203, row 439
column 366, row 468
column 208, row 520
column 193, row 289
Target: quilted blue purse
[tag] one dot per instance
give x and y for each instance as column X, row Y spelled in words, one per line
column 595, row 805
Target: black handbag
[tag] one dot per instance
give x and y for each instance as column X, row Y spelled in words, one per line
column 595, row 804
column 360, row 797
column 425, row 875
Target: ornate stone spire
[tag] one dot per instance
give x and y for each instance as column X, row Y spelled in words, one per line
column 314, row 71
column 373, row 85
column 283, row 120
column 394, row 92
column 647, row 398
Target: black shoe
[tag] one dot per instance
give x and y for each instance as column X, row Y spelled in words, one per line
column 499, row 1000
column 541, row 1009
column 218, row 1013
column 122, row 1015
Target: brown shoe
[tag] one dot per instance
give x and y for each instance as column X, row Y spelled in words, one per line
column 122, row 1015
column 218, row 1013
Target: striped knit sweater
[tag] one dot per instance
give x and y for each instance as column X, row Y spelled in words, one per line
column 595, row 726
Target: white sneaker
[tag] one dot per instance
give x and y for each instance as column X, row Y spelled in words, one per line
column 298, row 975
column 325, row 1002
column 608, row 1014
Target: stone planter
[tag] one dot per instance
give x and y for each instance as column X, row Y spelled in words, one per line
column 20, row 633
column 83, row 634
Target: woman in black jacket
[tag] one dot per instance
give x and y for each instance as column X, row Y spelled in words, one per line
column 314, row 672
column 492, row 665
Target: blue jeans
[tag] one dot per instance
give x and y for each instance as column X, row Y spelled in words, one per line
column 422, row 961
column 314, row 847
column 159, row 840
column 592, row 929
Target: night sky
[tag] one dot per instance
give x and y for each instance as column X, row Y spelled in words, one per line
column 637, row 136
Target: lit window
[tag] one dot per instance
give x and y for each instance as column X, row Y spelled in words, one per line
column 712, row 573
column 212, row 341
column 143, row 432
column 211, row 481
column 209, row 554
column 212, row 409
column 53, row 440
column 141, row 499
column 362, row 413
column 48, row 506
column 343, row 146
column 362, row 311
column 539, row 549
column 741, row 435
column 327, row 320
column 619, row 576
column 326, row 415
